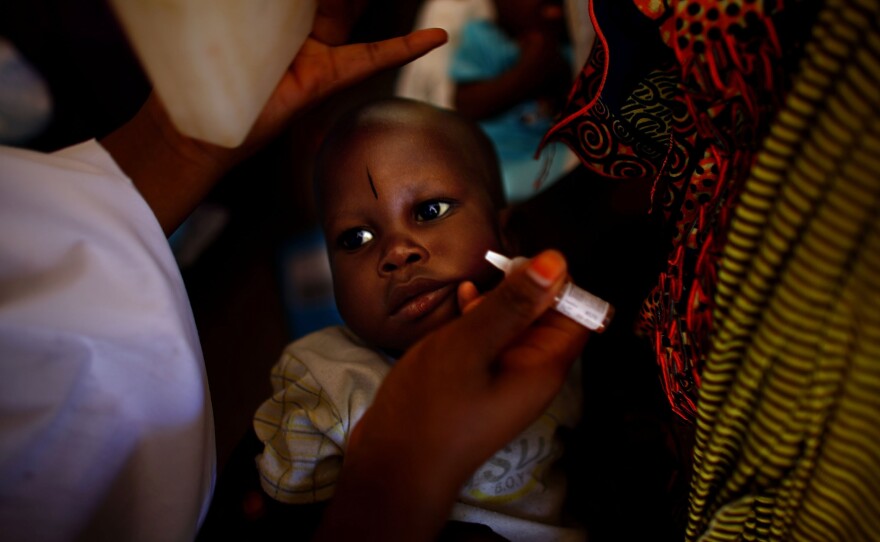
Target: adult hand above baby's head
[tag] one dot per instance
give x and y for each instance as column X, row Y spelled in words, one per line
column 455, row 397
column 325, row 64
column 174, row 172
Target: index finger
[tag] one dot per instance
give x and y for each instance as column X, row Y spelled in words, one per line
column 347, row 64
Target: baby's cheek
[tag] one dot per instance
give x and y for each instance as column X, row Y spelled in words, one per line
column 355, row 308
column 363, row 327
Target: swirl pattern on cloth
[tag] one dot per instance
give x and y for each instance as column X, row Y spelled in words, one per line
column 682, row 92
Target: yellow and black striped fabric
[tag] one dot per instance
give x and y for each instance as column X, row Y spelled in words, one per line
column 788, row 435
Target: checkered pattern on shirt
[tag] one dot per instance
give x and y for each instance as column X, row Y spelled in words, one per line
column 304, row 436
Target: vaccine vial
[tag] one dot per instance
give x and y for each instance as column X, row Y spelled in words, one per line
column 576, row 303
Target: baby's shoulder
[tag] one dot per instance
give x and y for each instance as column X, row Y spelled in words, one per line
column 336, row 344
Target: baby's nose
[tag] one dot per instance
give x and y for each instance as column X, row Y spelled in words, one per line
column 400, row 255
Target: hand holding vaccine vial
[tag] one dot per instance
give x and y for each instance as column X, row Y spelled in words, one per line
column 574, row 302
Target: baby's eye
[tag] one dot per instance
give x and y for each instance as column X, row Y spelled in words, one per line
column 354, row 238
column 431, row 210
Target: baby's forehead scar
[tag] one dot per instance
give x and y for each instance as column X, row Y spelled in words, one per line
column 372, row 186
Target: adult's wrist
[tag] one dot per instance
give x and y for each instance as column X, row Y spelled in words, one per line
column 387, row 495
column 172, row 172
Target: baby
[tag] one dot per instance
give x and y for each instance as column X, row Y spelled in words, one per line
column 409, row 198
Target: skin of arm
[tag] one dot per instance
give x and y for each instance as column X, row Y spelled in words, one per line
column 452, row 400
column 174, row 172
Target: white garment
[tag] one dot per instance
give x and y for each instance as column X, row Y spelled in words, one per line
column 323, row 384
column 105, row 420
column 427, row 77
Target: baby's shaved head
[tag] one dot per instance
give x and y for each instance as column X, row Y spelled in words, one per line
column 463, row 138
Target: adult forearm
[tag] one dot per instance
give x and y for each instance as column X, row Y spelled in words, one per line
column 172, row 172
column 387, row 503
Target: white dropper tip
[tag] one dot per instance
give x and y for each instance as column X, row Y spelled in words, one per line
column 500, row 261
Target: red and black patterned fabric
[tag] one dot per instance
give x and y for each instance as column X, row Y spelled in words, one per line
column 683, row 92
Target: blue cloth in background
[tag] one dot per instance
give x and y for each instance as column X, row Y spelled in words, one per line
column 307, row 285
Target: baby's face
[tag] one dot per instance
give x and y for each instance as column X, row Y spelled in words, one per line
column 405, row 222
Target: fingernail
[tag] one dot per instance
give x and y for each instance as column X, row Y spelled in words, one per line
column 545, row 268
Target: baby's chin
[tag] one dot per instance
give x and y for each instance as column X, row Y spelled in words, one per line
column 396, row 344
